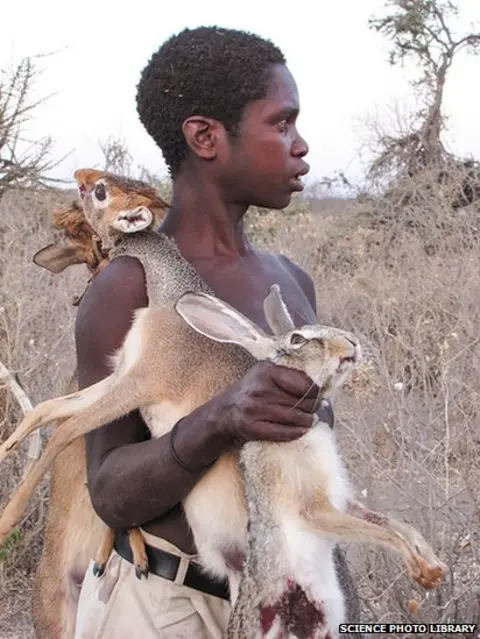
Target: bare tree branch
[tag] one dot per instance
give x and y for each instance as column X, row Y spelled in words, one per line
column 35, row 439
column 23, row 163
column 438, row 13
column 421, row 30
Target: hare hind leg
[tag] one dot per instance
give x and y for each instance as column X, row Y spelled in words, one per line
column 427, row 568
column 366, row 526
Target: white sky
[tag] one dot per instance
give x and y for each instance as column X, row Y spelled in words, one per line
column 339, row 65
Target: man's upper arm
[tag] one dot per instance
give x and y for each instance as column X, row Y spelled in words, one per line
column 104, row 318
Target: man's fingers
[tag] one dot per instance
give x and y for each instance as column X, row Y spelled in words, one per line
column 272, row 432
column 288, row 416
column 294, row 381
column 308, row 405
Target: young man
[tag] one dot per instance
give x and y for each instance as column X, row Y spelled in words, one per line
column 222, row 106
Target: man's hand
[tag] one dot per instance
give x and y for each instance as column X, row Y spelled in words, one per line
column 271, row 403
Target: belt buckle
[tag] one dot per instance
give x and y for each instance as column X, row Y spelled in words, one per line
column 183, row 566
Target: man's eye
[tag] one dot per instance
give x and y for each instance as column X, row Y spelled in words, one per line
column 283, row 126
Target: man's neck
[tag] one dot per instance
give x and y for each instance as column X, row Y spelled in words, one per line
column 204, row 226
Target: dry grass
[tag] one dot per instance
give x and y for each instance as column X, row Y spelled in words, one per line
column 409, row 426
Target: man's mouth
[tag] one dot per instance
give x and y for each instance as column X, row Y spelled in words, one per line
column 296, row 182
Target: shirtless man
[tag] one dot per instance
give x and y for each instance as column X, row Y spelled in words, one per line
column 222, row 106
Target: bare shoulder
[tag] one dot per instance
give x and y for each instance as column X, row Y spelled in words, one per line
column 303, row 278
column 105, row 315
column 120, row 286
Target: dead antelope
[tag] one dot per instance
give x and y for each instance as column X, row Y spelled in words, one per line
column 73, row 533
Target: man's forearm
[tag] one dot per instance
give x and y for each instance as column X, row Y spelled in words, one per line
column 140, row 482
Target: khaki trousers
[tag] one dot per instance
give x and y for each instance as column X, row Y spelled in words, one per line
column 120, row 606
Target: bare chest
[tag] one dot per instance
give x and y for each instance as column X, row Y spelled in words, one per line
column 244, row 285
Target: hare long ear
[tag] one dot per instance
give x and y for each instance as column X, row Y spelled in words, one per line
column 221, row 322
column 56, row 258
column 276, row 312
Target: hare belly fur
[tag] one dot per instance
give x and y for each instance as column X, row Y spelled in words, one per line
column 217, row 513
column 308, row 472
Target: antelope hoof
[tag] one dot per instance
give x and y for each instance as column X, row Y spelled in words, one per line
column 98, row 569
column 141, row 570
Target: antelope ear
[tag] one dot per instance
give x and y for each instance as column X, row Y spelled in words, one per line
column 87, row 176
column 133, row 220
column 276, row 312
column 57, row 258
column 221, row 322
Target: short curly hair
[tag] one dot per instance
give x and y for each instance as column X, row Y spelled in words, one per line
column 207, row 71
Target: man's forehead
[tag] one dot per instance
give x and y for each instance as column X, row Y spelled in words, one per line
column 282, row 87
column 274, row 107
column 281, row 100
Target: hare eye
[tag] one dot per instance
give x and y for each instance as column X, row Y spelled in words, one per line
column 100, row 192
column 297, row 340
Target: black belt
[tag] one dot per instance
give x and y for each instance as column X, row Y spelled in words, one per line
column 166, row 565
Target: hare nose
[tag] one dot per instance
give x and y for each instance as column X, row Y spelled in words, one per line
column 357, row 352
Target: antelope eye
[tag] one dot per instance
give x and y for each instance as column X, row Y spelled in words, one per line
column 100, row 192
column 296, row 339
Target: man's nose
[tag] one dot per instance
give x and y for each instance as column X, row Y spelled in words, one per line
column 300, row 147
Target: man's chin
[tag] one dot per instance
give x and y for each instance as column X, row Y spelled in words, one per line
column 276, row 203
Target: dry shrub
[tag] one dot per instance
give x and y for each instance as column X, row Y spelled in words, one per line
column 36, row 342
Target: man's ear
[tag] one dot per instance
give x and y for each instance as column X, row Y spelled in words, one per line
column 202, row 136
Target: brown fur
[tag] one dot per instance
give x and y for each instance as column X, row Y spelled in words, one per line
column 71, row 220
column 83, row 246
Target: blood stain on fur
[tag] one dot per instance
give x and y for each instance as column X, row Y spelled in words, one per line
column 267, row 617
column 298, row 614
column 234, row 559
